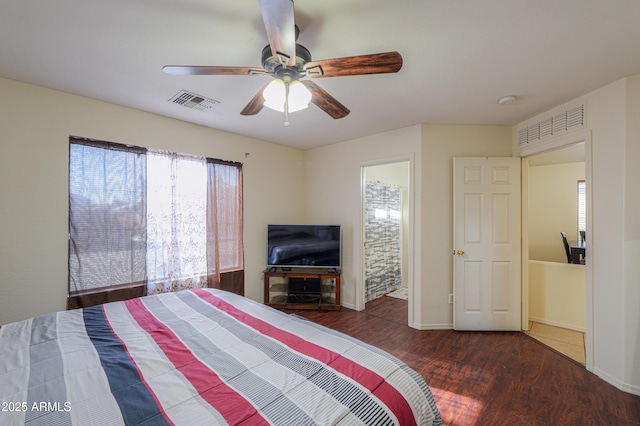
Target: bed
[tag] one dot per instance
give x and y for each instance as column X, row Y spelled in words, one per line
column 199, row 357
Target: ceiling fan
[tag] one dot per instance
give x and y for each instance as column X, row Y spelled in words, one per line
column 289, row 64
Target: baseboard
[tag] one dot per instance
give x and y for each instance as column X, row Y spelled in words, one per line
column 446, row 326
column 348, row 306
column 625, row 387
column 557, row 324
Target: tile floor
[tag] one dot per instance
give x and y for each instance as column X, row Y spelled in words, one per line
column 401, row 293
column 567, row 342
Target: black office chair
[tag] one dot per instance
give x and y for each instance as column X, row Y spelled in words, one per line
column 567, row 249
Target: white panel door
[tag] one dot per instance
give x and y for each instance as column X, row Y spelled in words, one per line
column 486, row 243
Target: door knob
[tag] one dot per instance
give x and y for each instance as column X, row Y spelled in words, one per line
column 460, row 252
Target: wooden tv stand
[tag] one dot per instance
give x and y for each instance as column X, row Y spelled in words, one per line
column 279, row 294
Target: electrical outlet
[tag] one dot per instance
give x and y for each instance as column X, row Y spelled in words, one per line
column 450, row 298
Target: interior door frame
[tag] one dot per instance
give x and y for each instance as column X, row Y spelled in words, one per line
column 413, row 255
column 556, row 143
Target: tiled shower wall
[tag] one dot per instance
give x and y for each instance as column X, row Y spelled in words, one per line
column 383, row 215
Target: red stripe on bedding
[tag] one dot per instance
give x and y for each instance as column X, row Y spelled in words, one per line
column 231, row 405
column 369, row 379
column 146, row 384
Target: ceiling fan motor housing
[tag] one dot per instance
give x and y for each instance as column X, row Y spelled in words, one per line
column 275, row 67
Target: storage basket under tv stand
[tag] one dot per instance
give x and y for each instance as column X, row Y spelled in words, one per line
column 281, row 295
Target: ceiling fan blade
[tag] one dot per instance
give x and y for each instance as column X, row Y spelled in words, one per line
column 256, row 104
column 279, row 21
column 377, row 63
column 325, row 101
column 207, row 70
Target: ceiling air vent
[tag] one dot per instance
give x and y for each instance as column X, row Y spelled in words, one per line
column 193, row 101
column 566, row 120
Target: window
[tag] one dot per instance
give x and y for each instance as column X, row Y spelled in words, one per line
column 145, row 221
column 582, row 207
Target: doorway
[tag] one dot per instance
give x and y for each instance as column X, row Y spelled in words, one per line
column 556, row 296
column 386, row 221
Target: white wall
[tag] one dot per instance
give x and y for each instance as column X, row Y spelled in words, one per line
column 335, row 196
column 632, row 236
column 614, row 296
column 393, row 173
column 553, row 207
column 557, row 294
column 36, row 124
column 606, row 119
column 439, row 145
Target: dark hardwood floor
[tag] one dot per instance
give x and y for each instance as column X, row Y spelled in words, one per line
column 488, row 378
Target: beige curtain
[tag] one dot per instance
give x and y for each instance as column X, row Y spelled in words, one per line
column 224, row 221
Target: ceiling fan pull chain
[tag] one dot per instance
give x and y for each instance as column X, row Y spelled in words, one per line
column 286, row 103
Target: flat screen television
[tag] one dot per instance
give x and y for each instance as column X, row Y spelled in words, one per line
column 312, row 246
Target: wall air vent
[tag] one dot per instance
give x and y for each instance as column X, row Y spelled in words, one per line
column 561, row 122
column 193, row 101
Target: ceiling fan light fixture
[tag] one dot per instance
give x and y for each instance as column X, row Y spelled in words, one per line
column 299, row 96
column 275, row 95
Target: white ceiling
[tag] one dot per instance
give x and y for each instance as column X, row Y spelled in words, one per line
column 460, row 56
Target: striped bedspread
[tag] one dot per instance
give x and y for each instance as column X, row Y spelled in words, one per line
column 199, row 357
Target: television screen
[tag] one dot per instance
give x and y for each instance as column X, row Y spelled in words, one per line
column 304, row 246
